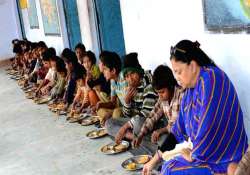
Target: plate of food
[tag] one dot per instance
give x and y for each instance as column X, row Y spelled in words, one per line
column 52, row 105
column 29, row 90
column 73, row 117
column 61, row 112
column 74, row 114
column 90, row 120
column 60, row 105
column 30, row 95
column 56, row 106
column 43, row 100
column 21, row 82
column 36, row 99
column 16, row 77
column 97, row 133
column 8, row 69
column 12, row 72
column 136, row 162
column 25, row 88
column 113, row 148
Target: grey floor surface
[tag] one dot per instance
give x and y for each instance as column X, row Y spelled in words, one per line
column 34, row 141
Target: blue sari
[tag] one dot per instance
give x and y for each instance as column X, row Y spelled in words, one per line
column 211, row 117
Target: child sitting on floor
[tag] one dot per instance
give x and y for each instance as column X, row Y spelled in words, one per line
column 81, row 98
column 92, row 74
column 60, row 83
column 49, row 59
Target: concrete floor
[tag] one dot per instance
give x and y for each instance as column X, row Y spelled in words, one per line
column 34, row 141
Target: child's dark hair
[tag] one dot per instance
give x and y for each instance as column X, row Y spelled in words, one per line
column 33, row 45
column 131, row 60
column 48, row 54
column 15, row 41
column 54, row 58
column 42, row 44
column 65, row 52
column 17, row 49
column 80, row 73
column 69, row 56
column 80, row 46
column 60, row 65
column 163, row 78
column 104, row 54
column 186, row 51
column 52, row 50
column 112, row 61
column 91, row 56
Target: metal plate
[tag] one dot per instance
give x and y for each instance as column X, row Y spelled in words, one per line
column 61, row 112
column 28, row 90
column 90, row 120
column 52, row 105
column 136, row 162
column 16, row 77
column 97, row 133
column 113, row 148
column 21, row 82
column 74, row 117
column 30, row 95
column 43, row 100
column 12, row 72
column 73, row 114
column 56, row 106
column 8, row 69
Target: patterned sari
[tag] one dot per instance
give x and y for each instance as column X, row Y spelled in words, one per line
column 211, row 116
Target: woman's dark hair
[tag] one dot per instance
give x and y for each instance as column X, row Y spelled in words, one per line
column 60, row 65
column 163, row 78
column 186, row 51
column 91, row 56
column 80, row 46
column 112, row 61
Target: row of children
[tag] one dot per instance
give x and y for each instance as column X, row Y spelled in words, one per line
column 156, row 111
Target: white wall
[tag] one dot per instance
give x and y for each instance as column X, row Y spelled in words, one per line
column 58, row 42
column 9, row 28
column 87, row 25
column 83, row 14
column 151, row 27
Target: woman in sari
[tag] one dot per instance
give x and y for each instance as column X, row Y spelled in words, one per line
column 210, row 115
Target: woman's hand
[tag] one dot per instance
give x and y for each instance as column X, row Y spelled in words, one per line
column 147, row 168
column 187, row 154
